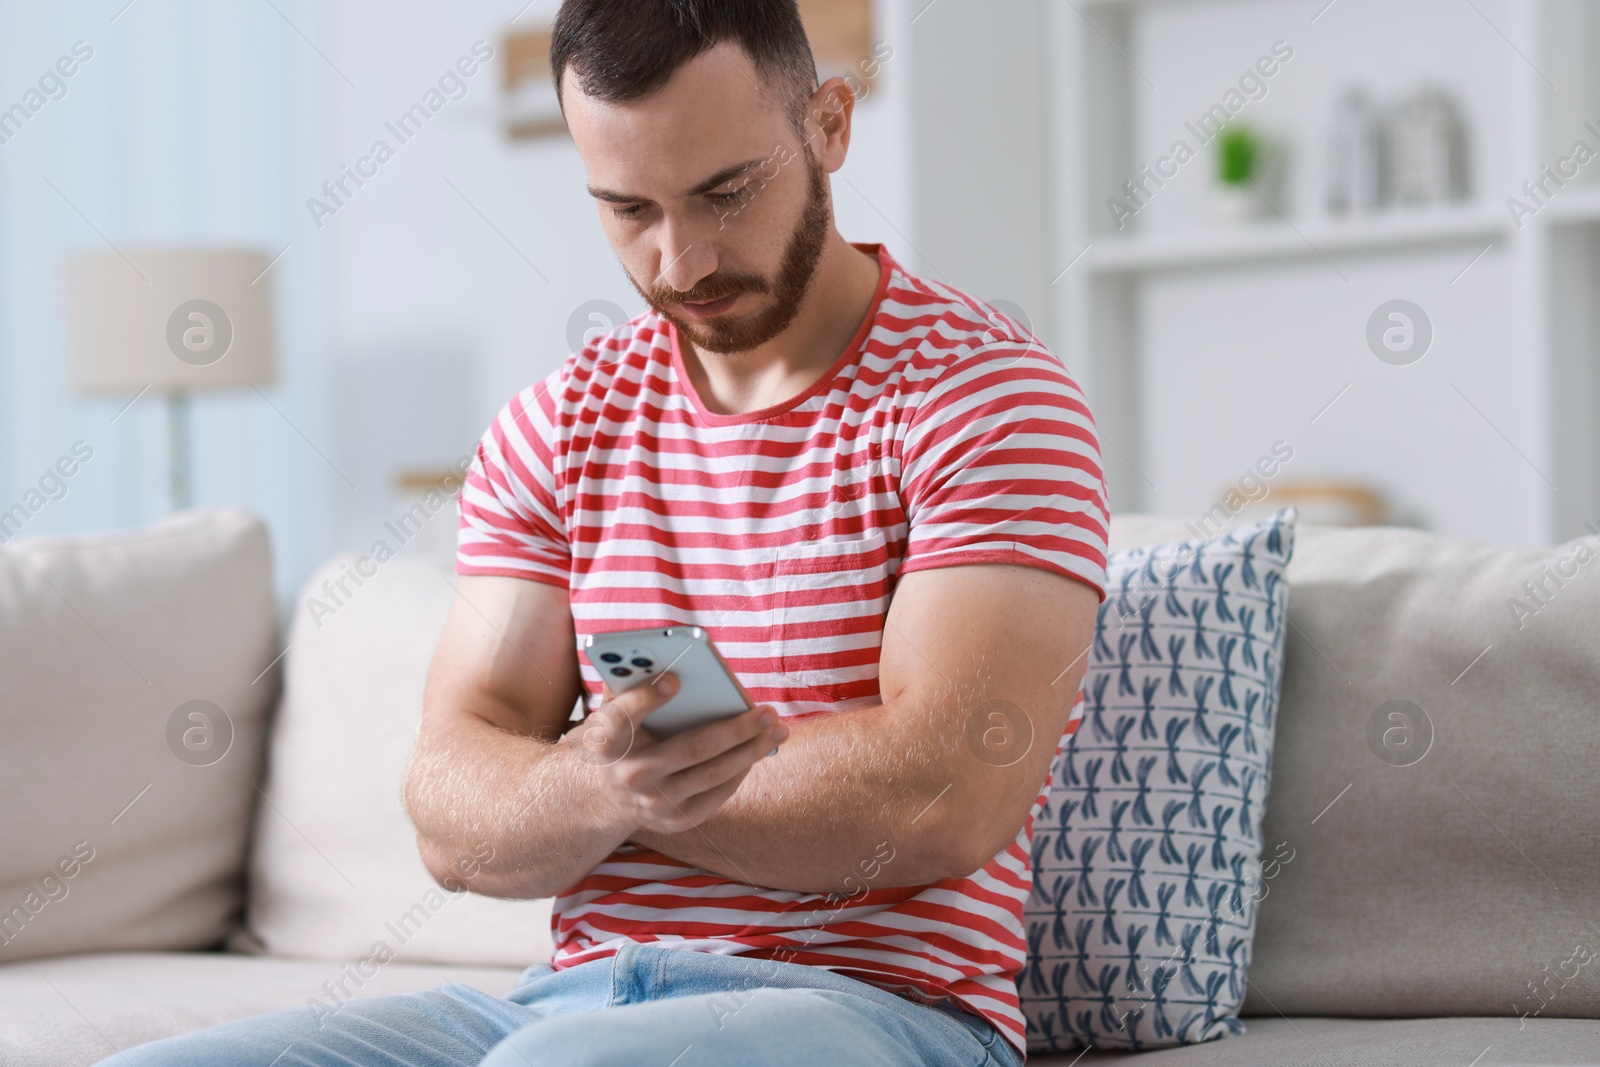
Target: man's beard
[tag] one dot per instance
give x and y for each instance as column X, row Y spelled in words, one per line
column 728, row 335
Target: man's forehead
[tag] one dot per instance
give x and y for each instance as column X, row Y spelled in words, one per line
column 712, row 113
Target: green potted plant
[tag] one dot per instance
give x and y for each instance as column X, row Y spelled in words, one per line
column 1240, row 158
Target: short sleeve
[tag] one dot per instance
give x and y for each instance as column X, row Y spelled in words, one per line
column 1001, row 464
column 509, row 519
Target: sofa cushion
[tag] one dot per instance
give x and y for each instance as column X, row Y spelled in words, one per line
column 131, row 731
column 1434, row 775
column 1282, row 1041
column 1147, row 854
column 335, row 868
column 78, row 1010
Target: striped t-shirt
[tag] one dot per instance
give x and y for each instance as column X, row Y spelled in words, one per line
column 945, row 434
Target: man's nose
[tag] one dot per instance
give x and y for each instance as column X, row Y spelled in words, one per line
column 686, row 258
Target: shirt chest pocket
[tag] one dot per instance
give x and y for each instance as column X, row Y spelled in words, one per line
column 831, row 598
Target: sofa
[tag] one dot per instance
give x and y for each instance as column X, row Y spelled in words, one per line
column 203, row 816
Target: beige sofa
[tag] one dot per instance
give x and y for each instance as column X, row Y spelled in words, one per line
column 179, row 777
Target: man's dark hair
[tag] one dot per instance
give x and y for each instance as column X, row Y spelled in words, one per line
column 622, row 50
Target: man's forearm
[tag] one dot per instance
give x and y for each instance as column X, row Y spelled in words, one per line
column 507, row 815
column 852, row 801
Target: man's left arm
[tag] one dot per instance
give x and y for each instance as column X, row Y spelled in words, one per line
column 979, row 672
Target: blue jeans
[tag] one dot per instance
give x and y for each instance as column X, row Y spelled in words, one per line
column 646, row 1006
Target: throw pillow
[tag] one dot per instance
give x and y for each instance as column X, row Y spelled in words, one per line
column 1147, row 854
column 139, row 679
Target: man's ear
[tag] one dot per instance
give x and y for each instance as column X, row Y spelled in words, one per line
column 828, row 120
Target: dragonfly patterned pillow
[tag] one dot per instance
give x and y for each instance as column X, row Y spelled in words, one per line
column 1147, row 856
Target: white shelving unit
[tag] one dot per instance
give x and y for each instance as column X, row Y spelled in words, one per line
column 1492, row 435
column 1282, row 239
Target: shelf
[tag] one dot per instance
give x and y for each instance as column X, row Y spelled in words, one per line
column 1115, row 6
column 1091, row 4
column 1269, row 240
column 1576, row 204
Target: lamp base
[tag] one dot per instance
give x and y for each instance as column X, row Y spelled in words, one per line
column 179, row 492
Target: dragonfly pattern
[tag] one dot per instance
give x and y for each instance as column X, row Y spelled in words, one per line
column 1147, row 852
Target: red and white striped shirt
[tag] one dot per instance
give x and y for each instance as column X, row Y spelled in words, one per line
column 945, row 434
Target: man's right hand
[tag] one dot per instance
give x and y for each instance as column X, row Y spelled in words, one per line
column 670, row 785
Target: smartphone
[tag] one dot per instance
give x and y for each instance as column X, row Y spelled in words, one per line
column 708, row 691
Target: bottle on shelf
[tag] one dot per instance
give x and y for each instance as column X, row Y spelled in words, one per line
column 1427, row 149
column 1355, row 155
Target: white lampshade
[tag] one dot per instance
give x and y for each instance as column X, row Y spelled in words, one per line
column 177, row 319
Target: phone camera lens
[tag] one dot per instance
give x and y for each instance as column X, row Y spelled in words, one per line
column 621, row 672
column 610, row 657
column 640, row 661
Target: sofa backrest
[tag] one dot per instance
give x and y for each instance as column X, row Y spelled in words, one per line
column 1434, row 779
column 334, row 869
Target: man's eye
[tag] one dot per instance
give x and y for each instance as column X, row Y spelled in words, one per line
column 629, row 212
column 729, row 198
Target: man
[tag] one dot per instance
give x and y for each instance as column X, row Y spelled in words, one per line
column 884, row 502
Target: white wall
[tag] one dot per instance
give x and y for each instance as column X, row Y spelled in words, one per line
column 1234, row 360
column 983, row 196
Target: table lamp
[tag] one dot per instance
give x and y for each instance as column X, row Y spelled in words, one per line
column 174, row 319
